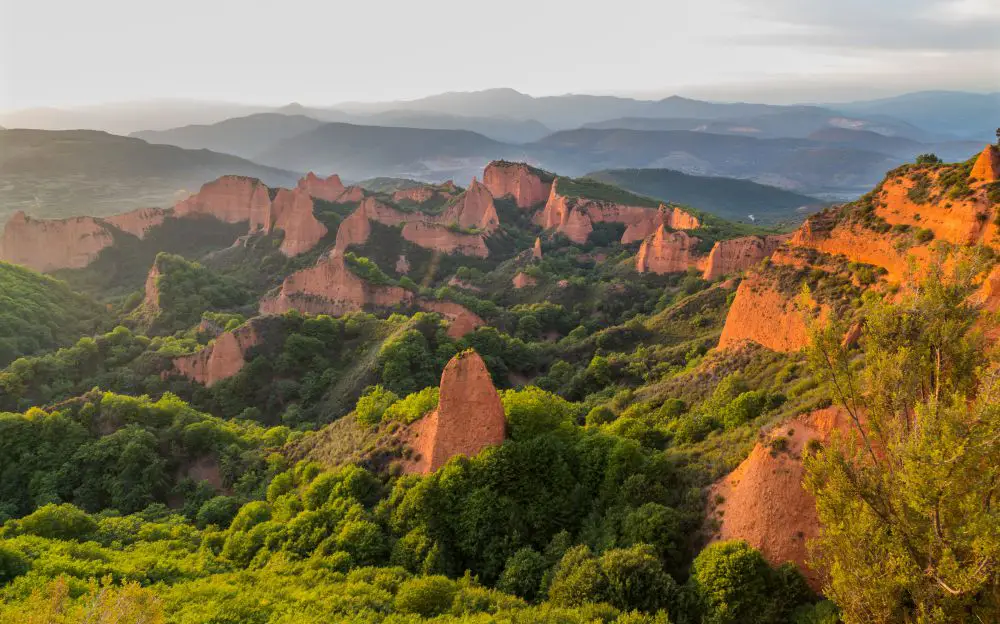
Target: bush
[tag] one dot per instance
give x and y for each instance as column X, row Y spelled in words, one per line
column 600, row 415
column 532, row 412
column 427, row 596
column 373, row 404
column 414, row 407
column 12, row 564
column 522, row 575
column 65, row 522
column 924, row 235
column 578, row 579
column 928, row 159
column 219, row 511
column 636, row 580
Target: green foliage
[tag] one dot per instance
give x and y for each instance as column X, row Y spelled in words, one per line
column 928, row 159
column 428, row 596
column 912, row 477
column 532, row 412
column 414, row 407
column 187, row 290
column 523, row 573
column 588, row 188
column 367, row 270
column 373, row 404
column 218, row 511
column 600, row 415
column 64, row 522
column 38, row 312
column 12, row 565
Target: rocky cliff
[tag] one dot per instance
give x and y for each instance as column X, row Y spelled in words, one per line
column 329, row 287
column 292, row 213
column 329, row 189
column 49, row 245
column 667, row 252
column 987, row 166
column 232, row 199
column 469, row 416
column 223, row 358
column 761, row 312
column 445, row 240
column 527, row 185
column 138, row 222
column 763, row 501
column 472, row 209
column 151, row 300
column 461, row 320
column 523, row 280
column 738, row 254
column 575, row 217
column 536, row 251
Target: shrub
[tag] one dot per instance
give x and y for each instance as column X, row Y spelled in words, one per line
column 65, row 522
column 427, row 596
column 636, row 580
column 12, row 564
column 414, row 406
column 522, row 575
column 372, row 405
column 532, row 412
column 600, row 415
column 928, row 159
column 219, row 511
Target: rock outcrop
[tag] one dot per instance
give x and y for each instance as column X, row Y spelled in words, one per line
column 763, row 500
column 222, row 359
column 536, row 251
column 138, row 222
column 329, row 189
column 762, row 313
column 50, row 245
column 461, row 320
column 472, row 209
column 469, row 416
column 402, row 265
column 151, row 300
column 231, row 199
column 523, row 280
column 738, row 254
column 575, row 217
column 667, row 252
column 518, row 180
column 292, row 212
column 329, row 287
column 440, row 238
column 987, row 166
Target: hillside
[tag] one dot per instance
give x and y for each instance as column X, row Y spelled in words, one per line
column 728, row 198
column 81, row 172
column 241, row 136
column 38, row 313
column 531, row 398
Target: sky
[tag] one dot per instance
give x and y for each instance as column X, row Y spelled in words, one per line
column 321, row 52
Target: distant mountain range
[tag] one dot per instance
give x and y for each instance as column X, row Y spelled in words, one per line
column 71, row 172
column 734, row 200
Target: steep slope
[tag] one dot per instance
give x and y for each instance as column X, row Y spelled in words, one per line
column 38, row 312
column 80, row 172
column 729, row 198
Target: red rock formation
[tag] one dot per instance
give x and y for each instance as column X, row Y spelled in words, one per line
column 45, row 245
column 739, row 254
column 987, row 166
column 574, row 217
column 292, row 213
column 536, row 251
column 523, row 280
column 231, row 199
column 329, row 287
column 667, row 252
column 765, row 315
column 220, row 360
column 962, row 221
column 517, row 180
column 138, row 222
column 472, row 209
column 151, row 302
column 764, row 502
column 440, row 238
column 402, row 265
column 416, row 194
column 353, row 194
column 329, row 189
column 354, row 230
column 461, row 320
column 469, row 416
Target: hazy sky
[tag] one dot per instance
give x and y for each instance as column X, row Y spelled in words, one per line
column 64, row 53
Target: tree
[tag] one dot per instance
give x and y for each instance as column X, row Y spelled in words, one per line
column 928, row 159
column 733, row 582
column 64, row 522
column 523, row 573
column 373, row 404
column 919, row 472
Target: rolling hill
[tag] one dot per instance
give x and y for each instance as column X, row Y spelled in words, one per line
column 728, row 198
column 241, row 136
column 73, row 172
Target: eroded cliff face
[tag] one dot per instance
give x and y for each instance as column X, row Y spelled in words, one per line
column 762, row 313
column 523, row 280
column 739, row 254
column 575, row 217
column 329, row 287
column 987, row 166
column 292, row 213
column 231, row 199
column 517, row 180
column 222, row 359
column 461, row 320
column 440, row 238
column 44, row 245
column 764, row 501
column 138, row 222
column 469, row 416
column 667, row 252
column 473, row 209
column 151, row 300
column 536, row 251
column 329, row 189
